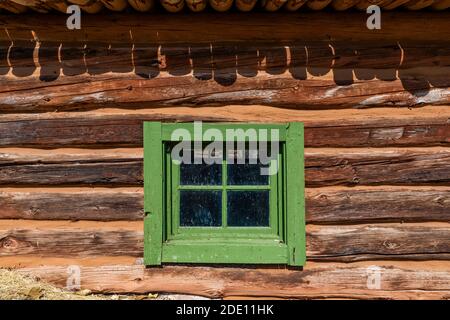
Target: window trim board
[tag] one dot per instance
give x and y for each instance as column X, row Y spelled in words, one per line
column 159, row 249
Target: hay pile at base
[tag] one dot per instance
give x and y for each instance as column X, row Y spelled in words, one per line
column 15, row 286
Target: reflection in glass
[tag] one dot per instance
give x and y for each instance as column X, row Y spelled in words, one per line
column 246, row 174
column 244, row 168
column 198, row 173
column 200, row 208
column 248, row 208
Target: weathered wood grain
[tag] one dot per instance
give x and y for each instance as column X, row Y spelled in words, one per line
column 324, row 243
column 69, row 240
column 376, row 167
column 383, row 136
column 127, row 90
column 81, row 204
column 254, row 26
column 72, row 166
column 80, row 172
column 367, row 59
column 387, row 280
column 378, row 242
column 368, row 129
column 323, row 167
column 323, row 205
column 299, row 75
column 103, row 131
column 87, row 72
column 381, row 204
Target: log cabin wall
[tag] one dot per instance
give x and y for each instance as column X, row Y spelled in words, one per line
column 377, row 131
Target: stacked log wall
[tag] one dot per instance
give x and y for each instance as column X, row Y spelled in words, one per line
column 376, row 108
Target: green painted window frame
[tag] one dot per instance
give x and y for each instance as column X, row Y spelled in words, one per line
column 281, row 243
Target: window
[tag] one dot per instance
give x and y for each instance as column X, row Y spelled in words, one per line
column 224, row 193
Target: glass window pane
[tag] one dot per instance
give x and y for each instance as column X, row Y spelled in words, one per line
column 246, row 174
column 248, row 208
column 200, row 208
column 201, row 173
column 244, row 168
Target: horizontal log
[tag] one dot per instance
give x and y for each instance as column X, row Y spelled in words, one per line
column 375, row 167
column 379, row 136
column 377, row 204
column 103, row 131
column 323, row 167
column 388, row 280
column 207, row 61
column 28, row 261
column 377, row 242
column 72, row 167
column 295, row 75
column 64, row 239
column 369, row 128
column 323, row 205
column 127, row 90
column 77, row 204
column 213, row 27
column 324, row 243
column 126, row 173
